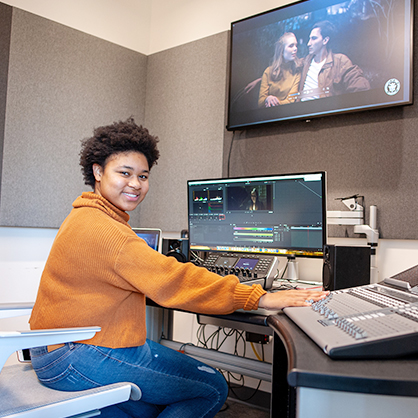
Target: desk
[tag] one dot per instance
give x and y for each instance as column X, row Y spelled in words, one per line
column 222, row 359
column 306, row 383
column 313, row 385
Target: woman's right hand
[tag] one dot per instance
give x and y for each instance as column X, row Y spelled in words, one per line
column 285, row 298
column 271, row 101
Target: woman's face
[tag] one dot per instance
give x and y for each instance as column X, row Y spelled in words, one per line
column 123, row 181
column 290, row 48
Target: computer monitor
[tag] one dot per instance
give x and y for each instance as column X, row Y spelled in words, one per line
column 274, row 214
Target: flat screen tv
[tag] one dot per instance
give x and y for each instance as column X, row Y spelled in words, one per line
column 275, row 214
column 320, row 57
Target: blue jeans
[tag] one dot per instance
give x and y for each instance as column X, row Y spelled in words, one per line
column 172, row 384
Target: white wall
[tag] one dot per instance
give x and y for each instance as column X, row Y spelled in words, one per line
column 23, row 253
column 123, row 22
column 147, row 26
column 177, row 22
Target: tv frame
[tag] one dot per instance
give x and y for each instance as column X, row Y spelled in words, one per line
column 306, row 252
column 351, row 102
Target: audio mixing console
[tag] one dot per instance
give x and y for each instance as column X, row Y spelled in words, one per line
column 371, row 321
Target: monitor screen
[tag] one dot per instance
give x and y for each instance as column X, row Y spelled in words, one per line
column 152, row 236
column 277, row 215
column 320, row 57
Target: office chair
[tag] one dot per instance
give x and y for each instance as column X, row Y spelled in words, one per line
column 22, row 395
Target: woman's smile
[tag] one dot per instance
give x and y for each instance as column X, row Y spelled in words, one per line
column 123, row 181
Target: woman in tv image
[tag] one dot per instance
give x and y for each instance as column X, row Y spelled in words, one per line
column 100, row 273
column 280, row 81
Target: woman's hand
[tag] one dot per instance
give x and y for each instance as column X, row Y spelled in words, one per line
column 284, row 298
column 271, row 101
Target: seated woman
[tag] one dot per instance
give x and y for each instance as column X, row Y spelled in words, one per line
column 280, row 81
column 99, row 272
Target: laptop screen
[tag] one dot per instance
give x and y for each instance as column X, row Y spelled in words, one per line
column 152, row 236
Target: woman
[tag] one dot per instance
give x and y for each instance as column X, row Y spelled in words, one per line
column 280, row 81
column 256, row 203
column 99, row 273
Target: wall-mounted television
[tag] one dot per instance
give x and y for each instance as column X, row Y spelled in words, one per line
column 274, row 214
column 320, row 57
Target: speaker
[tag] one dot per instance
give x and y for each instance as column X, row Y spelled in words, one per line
column 345, row 267
column 177, row 248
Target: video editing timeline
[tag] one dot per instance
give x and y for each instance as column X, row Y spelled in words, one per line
column 253, row 233
column 370, row 321
column 275, row 215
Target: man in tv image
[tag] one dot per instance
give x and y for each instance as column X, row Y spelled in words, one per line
column 327, row 74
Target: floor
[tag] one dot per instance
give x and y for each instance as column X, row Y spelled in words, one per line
column 234, row 409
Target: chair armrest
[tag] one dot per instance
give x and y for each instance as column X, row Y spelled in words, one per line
column 19, row 340
column 8, row 310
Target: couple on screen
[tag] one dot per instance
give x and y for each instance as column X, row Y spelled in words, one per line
column 321, row 74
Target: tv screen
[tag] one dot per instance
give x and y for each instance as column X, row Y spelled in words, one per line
column 277, row 215
column 320, row 57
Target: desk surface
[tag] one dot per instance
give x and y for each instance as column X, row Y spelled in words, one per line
column 308, row 366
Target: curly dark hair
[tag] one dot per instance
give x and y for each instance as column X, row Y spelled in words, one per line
column 113, row 139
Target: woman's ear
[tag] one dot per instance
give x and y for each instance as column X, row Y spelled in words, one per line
column 97, row 171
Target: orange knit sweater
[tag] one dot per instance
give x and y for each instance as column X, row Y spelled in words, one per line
column 99, row 272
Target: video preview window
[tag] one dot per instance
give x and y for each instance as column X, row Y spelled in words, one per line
column 248, row 197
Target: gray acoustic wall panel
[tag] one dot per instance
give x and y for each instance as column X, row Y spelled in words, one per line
column 5, row 28
column 373, row 154
column 185, row 107
column 62, row 83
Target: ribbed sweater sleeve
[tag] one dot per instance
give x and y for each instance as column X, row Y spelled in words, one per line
column 99, row 273
column 182, row 285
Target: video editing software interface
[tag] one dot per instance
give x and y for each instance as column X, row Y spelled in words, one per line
column 277, row 215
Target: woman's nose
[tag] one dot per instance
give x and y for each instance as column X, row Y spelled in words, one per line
column 135, row 183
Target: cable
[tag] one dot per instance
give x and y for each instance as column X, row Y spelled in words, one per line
column 216, row 340
column 229, row 155
column 255, row 351
column 196, row 257
column 242, row 380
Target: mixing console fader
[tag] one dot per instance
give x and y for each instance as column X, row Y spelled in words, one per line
column 250, row 269
column 371, row 321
